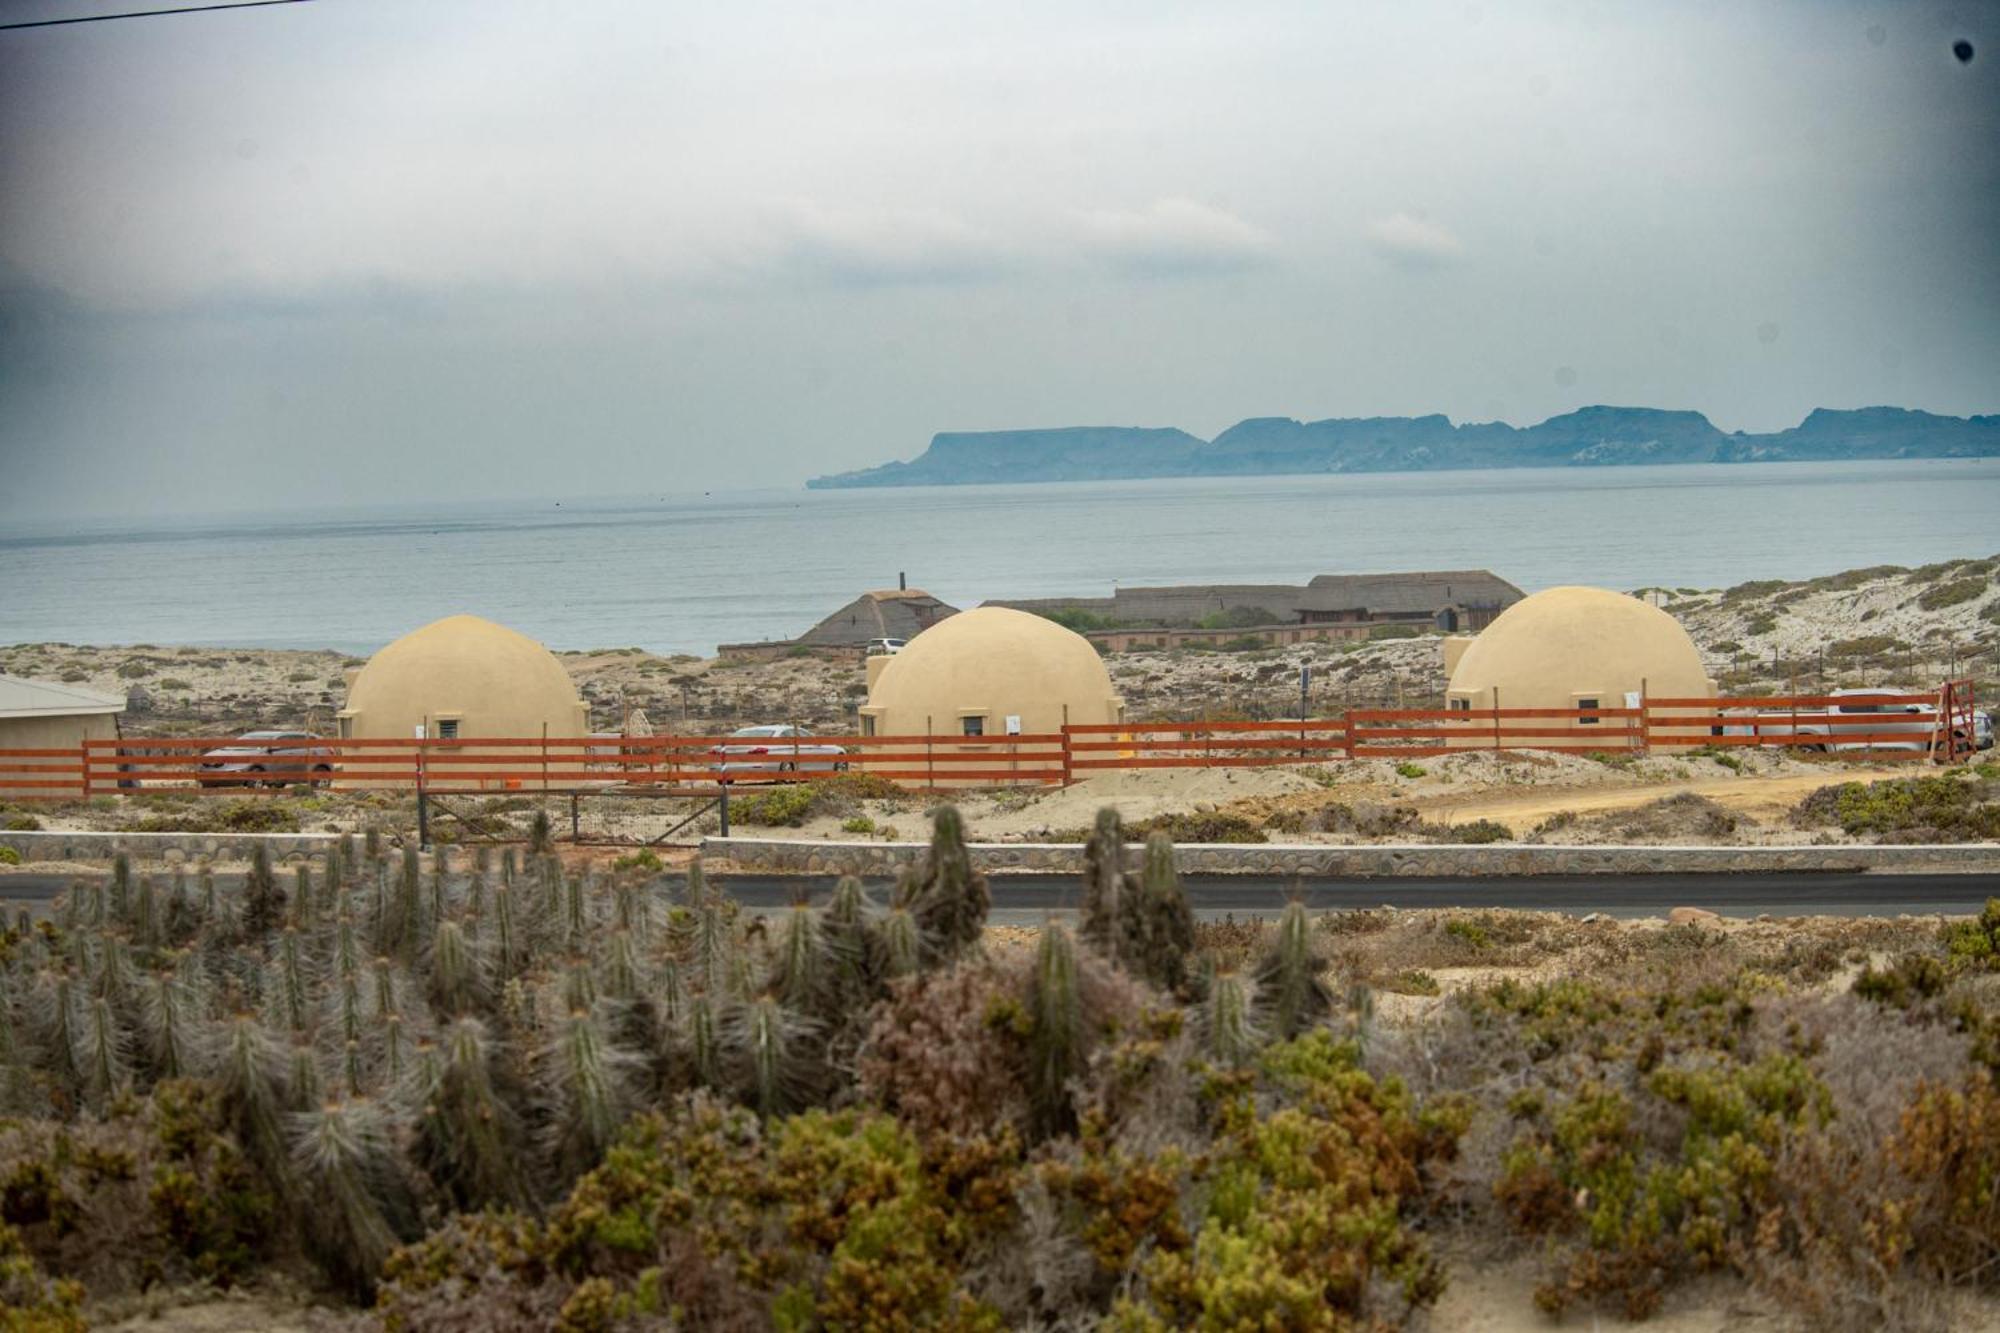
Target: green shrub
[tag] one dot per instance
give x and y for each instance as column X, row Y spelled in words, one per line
column 788, row 806
column 1976, row 943
column 1406, row 769
column 1476, row 831
column 73, row 675
column 1942, row 808
column 1199, row 826
column 1758, row 625
column 857, row 824
column 1955, row 593
column 245, row 816
column 134, row 670
column 644, row 859
column 175, row 683
column 9, row 857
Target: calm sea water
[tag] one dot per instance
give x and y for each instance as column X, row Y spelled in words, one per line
column 686, row 573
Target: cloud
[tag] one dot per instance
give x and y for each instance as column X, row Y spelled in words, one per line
column 1414, row 243
column 869, row 248
column 1174, row 236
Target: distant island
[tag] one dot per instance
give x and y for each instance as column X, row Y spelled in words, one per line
column 1267, row 446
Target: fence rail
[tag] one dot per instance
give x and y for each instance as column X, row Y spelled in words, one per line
column 1930, row 725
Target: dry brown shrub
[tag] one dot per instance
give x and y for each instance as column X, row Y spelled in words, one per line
column 943, row 1053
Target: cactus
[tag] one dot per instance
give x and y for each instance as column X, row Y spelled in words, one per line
column 146, row 919
column 1288, row 981
column 953, row 900
column 1166, row 934
column 181, row 921
column 475, row 889
column 457, row 975
column 1110, row 920
column 1055, row 1032
column 405, row 909
column 769, row 1045
column 120, row 888
column 704, row 1047
column 506, row 940
column 293, row 984
column 302, row 1081
column 469, row 1135
column 440, row 880
column 714, row 947
column 263, row 900
column 801, row 972
column 345, row 1157
column 371, row 842
column 393, row 1043
column 541, row 837
column 104, row 1069
column 576, row 919
column 1227, row 1018
column 621, row 968
column 851, row 944
column 304, row 903
column 171, row 1011
column 899, row 944
column 250, row 1074
column 587, row 1074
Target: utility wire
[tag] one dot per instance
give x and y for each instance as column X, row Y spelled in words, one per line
column 150, row 13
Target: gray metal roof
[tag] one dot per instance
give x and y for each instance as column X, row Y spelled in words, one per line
column 21, row 697
column 1422, row 591
column 890, row 613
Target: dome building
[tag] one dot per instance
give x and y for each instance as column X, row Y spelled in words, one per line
column 988, row 672
column 459, row 678
column 1579, row 648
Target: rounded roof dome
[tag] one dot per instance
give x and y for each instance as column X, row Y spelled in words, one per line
column 463, row 662
column 1582, row 638
column 1012, row 652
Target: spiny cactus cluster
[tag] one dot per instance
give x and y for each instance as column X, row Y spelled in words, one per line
column 388, row 1033
column 390, row 1038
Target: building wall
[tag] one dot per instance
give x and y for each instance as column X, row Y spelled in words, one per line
column 991, row 663
column 1128, row 640
column 1565, row 645
column 49, row 733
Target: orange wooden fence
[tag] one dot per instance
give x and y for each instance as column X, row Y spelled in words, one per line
column 1883, row 726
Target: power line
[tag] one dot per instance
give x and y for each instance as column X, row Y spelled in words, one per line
column 150, row 13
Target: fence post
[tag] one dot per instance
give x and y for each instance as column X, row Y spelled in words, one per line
column 1067, row 770
column 545, row 758
column 1645, row 720
column 84, row 746
column 1347, row 733
column 1496, row 719
column 930, row 762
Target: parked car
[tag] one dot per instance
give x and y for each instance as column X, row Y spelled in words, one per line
column 268, row 758
column 883, row 647
column 1982, row 731
column 778, row 748
column 1814, row 730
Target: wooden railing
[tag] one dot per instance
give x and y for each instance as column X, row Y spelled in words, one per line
column 1940, row 727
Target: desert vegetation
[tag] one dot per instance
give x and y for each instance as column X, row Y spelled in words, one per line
column 502, row 1092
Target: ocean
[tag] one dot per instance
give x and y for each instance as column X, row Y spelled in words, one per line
column 684, row 573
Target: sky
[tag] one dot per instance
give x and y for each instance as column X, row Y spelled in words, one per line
column 359, row 251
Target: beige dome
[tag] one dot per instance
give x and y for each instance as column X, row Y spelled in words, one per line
column 984, row 666
column 462, row 675
column 1565, row 646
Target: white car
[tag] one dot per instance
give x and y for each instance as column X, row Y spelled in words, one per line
column 883, row 647
column 777, row 748
column 1918, row 721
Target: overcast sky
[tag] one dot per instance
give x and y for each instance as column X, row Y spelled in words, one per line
column 362, row 250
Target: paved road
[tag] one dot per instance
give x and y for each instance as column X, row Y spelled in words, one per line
column 1026, row 899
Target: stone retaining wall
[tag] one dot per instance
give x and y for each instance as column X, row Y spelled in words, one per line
column 878, row 859
column 59, row 845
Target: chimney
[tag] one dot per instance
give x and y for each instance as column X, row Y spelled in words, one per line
column 902, row 581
